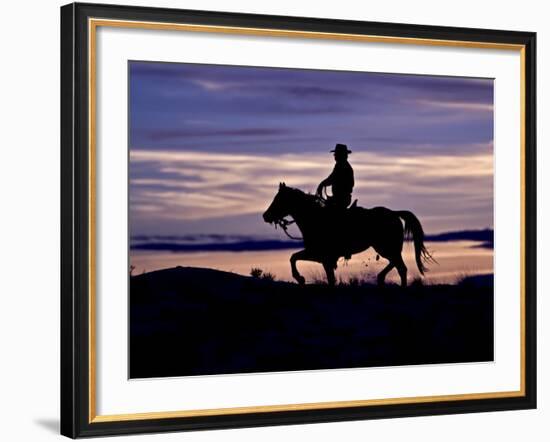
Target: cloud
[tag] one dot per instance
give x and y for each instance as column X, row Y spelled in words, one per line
column 295, row 109
column 309, row 92
column 194, row 185
column 210, row 143
column 457, row 105
column 170, row 134
column 215, row 86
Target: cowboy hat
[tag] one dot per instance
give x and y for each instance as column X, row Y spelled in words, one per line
column 341, row 148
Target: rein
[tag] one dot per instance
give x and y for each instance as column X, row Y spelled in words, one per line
column 283, row 224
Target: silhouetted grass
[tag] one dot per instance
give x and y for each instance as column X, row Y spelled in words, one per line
column 258, row 273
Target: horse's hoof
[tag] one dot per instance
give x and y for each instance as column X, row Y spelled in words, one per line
column 301, row 280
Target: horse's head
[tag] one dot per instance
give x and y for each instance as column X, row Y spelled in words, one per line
column 280, row 206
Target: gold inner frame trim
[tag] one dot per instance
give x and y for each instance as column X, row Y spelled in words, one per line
column 93, row 24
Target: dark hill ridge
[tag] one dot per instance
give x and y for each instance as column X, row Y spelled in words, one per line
column 195, row 321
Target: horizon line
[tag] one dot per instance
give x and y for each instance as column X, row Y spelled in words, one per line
column 241, row 243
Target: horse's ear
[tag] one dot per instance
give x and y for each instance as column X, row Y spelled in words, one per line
column 284, row 185
column 281, row 185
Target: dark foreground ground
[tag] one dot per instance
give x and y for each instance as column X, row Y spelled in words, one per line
column 192, row 321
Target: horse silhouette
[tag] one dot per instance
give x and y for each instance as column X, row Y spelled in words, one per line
column 329, row 234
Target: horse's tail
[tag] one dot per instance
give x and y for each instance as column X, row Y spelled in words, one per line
column 414, row 228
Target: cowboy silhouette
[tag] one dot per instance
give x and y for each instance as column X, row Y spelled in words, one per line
column 341, row 179
column 331, row 233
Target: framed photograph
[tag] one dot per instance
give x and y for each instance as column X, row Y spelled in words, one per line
column 275, row 220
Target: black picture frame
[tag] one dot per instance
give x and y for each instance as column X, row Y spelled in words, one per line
column 77, row 420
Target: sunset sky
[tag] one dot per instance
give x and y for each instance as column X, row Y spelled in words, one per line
column 210, row 144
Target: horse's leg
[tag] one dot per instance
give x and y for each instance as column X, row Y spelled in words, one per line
column 329, row 267
column 302, row 255
column 389, row 244
column 402, row 269
column 382, row 275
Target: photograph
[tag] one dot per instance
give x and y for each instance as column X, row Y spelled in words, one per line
column 285, row 219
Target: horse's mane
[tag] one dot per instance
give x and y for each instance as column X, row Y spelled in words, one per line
column 306, row 197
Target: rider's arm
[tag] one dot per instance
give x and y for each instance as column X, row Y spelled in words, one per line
column 326, row 182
